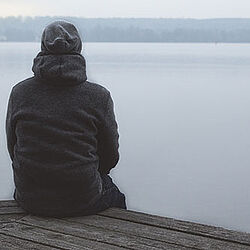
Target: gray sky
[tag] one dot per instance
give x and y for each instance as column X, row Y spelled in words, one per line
column 127, row 8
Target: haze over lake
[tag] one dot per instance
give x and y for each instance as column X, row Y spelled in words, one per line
column 184, row 124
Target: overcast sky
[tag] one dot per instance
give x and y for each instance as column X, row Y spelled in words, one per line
column 127, row 8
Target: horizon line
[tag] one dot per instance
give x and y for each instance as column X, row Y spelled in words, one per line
column 120, row 17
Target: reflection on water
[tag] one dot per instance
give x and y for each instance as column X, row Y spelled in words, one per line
column 184, row 123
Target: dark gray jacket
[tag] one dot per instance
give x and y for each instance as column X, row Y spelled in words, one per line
column 61, row 135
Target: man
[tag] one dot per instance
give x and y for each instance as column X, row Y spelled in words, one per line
column 61, row 133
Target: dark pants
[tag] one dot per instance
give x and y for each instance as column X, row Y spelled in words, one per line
column 111, row 196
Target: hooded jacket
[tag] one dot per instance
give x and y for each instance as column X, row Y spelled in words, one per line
column 61, row 129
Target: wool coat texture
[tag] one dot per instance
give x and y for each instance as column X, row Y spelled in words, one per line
column 61, row 130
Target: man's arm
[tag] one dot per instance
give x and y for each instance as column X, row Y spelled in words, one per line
column 10, row 131
column 108, row 140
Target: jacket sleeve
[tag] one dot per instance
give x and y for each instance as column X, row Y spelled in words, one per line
column 108, row 139
column 10, row 130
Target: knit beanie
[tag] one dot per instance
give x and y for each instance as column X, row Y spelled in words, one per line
column 61, row 37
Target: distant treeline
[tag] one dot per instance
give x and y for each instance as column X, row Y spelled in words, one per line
column 229, row 30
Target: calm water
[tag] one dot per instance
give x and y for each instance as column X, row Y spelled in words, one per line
column 184, row 121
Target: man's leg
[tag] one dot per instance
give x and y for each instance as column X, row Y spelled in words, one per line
column 111, row 195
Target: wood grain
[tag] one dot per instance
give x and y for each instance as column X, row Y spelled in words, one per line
column 157, row 234
column 51, row 238
column 96, row 233
column 178, row 225
column 111, row 229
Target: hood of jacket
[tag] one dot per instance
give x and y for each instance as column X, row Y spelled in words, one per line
column 60, row 61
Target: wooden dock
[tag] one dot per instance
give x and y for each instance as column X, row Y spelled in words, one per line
column 111, row 229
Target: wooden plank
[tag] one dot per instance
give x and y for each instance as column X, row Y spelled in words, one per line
column 96, row 233
column 52, row 238
column 156, row 233
column 10, row 243
column 159, row 221
column 118, row 232
column 11, row 210
column 171, row 233
column 178, row 225
column 6, row 218
column 8, row 203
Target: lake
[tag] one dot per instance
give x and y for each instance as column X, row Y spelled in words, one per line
column 183, row 112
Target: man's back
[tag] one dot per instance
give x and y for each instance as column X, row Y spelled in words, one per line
column 61, row 134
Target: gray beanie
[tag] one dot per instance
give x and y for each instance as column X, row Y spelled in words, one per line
column 61, row 37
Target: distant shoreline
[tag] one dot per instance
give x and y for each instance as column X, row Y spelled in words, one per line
column 133, row 30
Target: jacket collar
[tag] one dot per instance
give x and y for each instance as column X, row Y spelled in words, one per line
column 60, row 69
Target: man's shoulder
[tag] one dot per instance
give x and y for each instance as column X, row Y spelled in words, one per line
column 97, row 87
column 22, row 84
column 98, row 92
